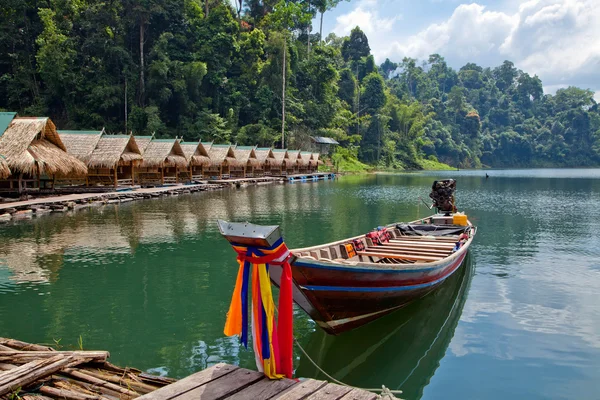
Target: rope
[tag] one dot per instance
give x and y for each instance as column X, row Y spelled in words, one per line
column 385, row 392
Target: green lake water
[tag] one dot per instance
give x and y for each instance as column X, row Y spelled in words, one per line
column 151, row 282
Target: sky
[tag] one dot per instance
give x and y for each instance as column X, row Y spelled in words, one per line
column 558, row 40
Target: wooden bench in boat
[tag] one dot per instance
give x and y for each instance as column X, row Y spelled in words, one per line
column 422, row 244
column 438, row 253
column 398, row 256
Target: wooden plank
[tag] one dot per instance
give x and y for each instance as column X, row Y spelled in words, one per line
column 429, row 238
column 359, row 394
column 300, row 390
column 331, row 391
column 191, row 382
column 398, row 257
column 224, row 386
column 409, row 252
column 421, row 243
column 264, row 389
column 412, row 249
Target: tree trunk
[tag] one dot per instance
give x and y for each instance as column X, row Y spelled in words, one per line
column 308, row 37
column 126, row 105
column 206, row 8
column 321, row 28
column 283, row 94
column 142, row 85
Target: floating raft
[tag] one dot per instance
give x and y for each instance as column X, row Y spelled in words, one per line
column 319, row 176
column 34, row 372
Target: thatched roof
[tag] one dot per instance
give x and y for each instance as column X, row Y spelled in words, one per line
column 143, row 142
column 295, row 158
column 280, row 156
column 195, row 153
column 246, row 155
column 32, row 144
column 306, row 158
column 4, row 170
column 80, row 144
column 264, row 154
column 317, row 158
column 112, row 149
column 164, row 153
column 219, row 153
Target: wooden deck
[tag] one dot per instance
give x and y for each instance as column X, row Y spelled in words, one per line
column 87, row 196
column 224, row 381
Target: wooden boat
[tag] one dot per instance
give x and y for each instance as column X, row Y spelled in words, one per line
column 345, row 284
column 420, row 332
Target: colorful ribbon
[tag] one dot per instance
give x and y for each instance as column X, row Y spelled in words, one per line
column 273, row 343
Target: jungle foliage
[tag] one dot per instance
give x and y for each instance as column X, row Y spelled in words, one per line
column 205, row 69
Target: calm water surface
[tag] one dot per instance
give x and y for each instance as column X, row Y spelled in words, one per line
column 151, row 282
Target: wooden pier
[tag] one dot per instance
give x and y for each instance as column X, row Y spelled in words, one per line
column 224, row 381
column 37, row 372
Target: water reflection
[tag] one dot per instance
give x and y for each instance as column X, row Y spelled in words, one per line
column 402, row 350
column 151, row 282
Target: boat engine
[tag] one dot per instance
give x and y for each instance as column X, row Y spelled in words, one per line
column 442, row 194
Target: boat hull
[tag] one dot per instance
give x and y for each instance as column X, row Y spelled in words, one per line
column 341, row 297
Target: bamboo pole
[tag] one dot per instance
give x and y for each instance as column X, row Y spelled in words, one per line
column 98, row 382
column 31, row 372
column 26, row 356
column 67, row 394
column 19, row 345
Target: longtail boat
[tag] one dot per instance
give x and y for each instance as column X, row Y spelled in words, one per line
column 347, row 283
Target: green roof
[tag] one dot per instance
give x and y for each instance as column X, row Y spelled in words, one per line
column 121, row 136
column 279, row 150
column 221, row 145
column 5, row 119
column 244, row 147
column 80, row 132
column 164, row 140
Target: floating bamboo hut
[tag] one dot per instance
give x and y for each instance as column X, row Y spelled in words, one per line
column 36, row 155
column 293, row 165
column 80, row 144
column 114, row 161
column 4, row 170
column 278, row 166
column 246, row 161
column 305, row 162
column 265, row 157
column 222, row 158
column 316, row 162
column 162, row 160
column 143, row 142
column 198, row 159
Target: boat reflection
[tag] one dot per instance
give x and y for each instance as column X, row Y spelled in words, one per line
column 402, row 350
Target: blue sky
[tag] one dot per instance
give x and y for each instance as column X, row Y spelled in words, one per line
column 558, row 40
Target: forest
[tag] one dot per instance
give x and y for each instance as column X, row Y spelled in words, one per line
column 255, row 72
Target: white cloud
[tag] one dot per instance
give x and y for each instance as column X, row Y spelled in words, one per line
column 366, row 16
column 559, row 40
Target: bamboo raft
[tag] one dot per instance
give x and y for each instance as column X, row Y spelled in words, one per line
column 35, row 372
